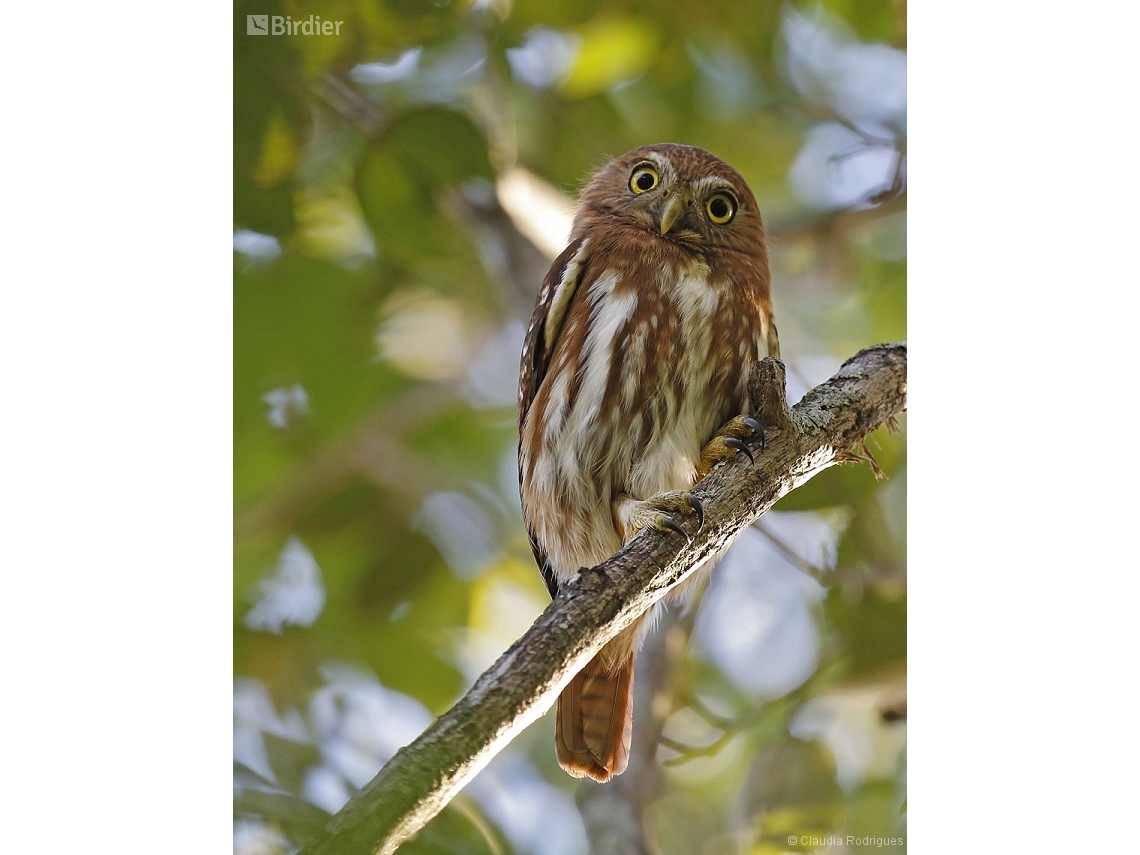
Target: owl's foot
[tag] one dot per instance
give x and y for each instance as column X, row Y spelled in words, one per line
column 728, row 442
column 663, row 512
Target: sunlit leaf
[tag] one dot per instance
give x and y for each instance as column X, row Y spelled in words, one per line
column 613, row 51
column 279, row 153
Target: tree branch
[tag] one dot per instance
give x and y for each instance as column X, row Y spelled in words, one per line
column 424, row 776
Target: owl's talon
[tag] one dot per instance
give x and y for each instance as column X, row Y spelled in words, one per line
column 757, row 429
column 733, row 442
column 666, row 522
column 698, row 509
column 729, row 442
column 663, row 512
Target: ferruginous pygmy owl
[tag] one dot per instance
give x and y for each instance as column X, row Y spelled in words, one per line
column 633, row 385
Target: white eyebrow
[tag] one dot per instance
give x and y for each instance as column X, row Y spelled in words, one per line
column 711, row 182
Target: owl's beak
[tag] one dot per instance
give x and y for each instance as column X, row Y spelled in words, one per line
column 674, row 207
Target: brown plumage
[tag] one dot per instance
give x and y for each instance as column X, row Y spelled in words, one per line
column 638, row 351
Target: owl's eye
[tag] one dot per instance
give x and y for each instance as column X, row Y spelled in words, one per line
column 721, row 208
column 644, row 178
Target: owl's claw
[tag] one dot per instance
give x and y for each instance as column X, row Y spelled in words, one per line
column 729, row 442
column 662, row 512
column 757, row 429
column 733, row 442
column 698, row 509
column 672, row 525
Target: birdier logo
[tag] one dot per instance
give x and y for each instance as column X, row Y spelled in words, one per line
column 284, row 25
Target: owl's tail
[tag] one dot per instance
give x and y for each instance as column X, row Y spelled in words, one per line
column 595, row 721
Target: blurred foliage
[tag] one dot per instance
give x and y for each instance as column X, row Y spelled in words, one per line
column 381, row 283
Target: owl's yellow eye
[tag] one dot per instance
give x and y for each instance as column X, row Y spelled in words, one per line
column 644, row 178
column 721, row 208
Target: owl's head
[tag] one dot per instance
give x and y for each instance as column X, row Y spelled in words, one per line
column 679, row 192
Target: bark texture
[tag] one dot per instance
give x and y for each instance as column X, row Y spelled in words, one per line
column 822, row 429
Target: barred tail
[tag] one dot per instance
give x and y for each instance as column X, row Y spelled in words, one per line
column 595, row 721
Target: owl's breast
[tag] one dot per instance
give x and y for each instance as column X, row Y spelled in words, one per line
column 693, row 379
column 651, row 361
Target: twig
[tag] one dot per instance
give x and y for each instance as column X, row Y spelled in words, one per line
column 806, row 566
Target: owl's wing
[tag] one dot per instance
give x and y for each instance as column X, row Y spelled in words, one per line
column 545, row 324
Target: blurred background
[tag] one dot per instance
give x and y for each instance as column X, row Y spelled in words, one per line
column 399, row 192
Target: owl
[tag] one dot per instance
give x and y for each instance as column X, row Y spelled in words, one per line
column 633, row 385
